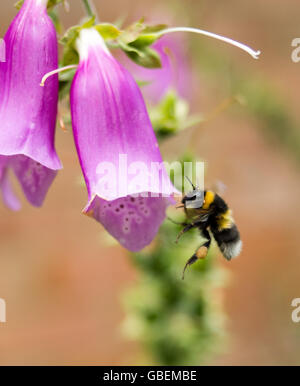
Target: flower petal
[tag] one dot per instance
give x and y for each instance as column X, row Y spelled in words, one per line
column 34, row 178
column 133, row 221
column 8, row 195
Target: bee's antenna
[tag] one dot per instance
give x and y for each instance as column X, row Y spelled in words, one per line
column 194, row 187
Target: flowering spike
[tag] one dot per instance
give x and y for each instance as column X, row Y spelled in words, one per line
column 112, row 131
column 28, row 112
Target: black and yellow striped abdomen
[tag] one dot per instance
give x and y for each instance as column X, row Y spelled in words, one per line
column 228, row 240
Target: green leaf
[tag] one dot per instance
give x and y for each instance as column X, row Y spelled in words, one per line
column 151, row 29
column 53, row 3
column 144, row 41
column 56, row 21
column 127, row 48
column 70, row 55
column 141, row 35
column 88, row 23
column 131, row 33
column 65, row 81
column 67, row 76
column 149, row 35
column 108, row 31
column 19, row 4
column 145, row 57
column 70, row 35
column 136, row 40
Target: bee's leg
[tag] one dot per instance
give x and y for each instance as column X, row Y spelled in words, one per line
column 185, row 229
column 200, row 253
column 206, row 235
column 177, row 223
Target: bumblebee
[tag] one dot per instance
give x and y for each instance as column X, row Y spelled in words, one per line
column 208, row 212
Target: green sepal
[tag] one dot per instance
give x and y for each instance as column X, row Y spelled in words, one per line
column 72, row 33
column 70, row 55
column 141, row 35
column 108, row 31
column 145, row 57
column 136, row 40
column 56, row 21
column 131, row 33
column 149, row 36
column 19, row 4
column 53, row 3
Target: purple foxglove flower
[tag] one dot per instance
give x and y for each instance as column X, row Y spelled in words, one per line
column 2, row 51
column 117, row 147
column 174, row 72
column 27, row 110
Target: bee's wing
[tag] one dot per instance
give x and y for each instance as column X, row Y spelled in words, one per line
column 219, row 187
column 203, row 215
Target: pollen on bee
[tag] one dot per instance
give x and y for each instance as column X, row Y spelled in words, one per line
column 201, row 252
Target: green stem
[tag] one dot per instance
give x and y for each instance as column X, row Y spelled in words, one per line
column 88, row 8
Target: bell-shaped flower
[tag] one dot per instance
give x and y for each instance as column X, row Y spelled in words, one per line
column 27, row 110
column 128, row 186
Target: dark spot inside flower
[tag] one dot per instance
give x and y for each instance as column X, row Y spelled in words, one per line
column 121, row 206
column 126, row 219
column 132, row 199
column 117, row 210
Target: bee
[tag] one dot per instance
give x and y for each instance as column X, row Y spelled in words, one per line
column 208, row 212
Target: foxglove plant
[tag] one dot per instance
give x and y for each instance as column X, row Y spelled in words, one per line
column 117, row 149
column 110, row 122
column 110, row 119
column 28, row 111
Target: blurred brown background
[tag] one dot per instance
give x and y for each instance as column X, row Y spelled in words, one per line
column 62, row 285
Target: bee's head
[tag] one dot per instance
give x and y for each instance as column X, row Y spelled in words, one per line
column 193, row 199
